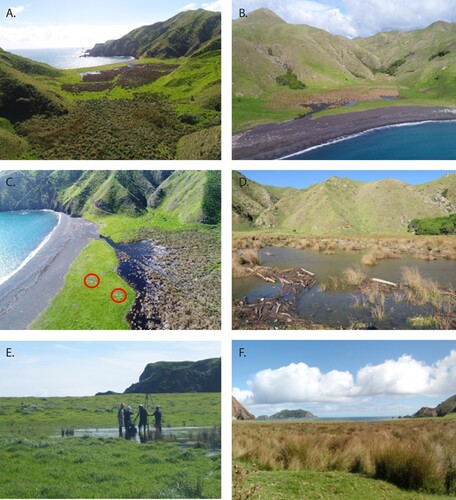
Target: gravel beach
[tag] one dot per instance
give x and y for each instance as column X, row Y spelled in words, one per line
column 27, row 293
column 276, row 140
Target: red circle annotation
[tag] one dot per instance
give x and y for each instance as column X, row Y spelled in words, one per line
column 90, row 277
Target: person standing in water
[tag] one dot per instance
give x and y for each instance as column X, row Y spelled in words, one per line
column 120, row 418
column 158, row 421
column 143, row 417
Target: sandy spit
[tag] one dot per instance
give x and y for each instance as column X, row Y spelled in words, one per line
column 26, row 294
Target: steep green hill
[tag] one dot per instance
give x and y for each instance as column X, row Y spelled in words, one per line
column 22, row 90
column 418, row 66
column 187, row 33
column 102, row 192
column 340, row 205
column 445, row 408
column 179, row 376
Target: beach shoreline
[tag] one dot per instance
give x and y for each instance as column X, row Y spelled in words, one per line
column 28, row 292
column 281, row 140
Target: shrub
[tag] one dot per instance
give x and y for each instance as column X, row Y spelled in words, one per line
column 408, row 467
column 289, row 79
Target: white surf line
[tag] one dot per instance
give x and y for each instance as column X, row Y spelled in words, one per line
column 32, row 254
column 365, row 132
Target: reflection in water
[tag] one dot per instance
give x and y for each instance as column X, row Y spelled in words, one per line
column 341, row 306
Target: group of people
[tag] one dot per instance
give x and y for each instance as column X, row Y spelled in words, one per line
column 125, row 414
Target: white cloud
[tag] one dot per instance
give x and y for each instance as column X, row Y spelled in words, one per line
column 44, row 37
column 299, row 383
column 188, row 6
column 215, row 6
column 18, row 10
column 357, row 17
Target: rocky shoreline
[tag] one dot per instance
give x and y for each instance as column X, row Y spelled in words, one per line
column 278, row 140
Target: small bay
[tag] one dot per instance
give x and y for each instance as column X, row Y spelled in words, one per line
column 68, row 58
column 21, row 233
column 425, row 141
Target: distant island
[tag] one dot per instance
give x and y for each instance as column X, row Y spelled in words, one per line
column 289, row 415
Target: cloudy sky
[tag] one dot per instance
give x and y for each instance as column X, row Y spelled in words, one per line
column 353, row 18
column 45, row 369
column 57, row 24
column 343, row 378
column 304, row 178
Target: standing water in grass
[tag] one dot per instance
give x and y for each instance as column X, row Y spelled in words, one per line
column 21, row 235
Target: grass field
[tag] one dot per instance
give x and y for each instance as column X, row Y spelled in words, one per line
column 314, row 459
column 77, row 307
column 90, row 467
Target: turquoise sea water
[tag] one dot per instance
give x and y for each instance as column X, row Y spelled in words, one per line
column 21, row 233
column 67, row 58
column 426, row 141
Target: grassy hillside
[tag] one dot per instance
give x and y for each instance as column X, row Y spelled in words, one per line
column 178, row 196
column 182, row 35
column 417, row 66
column 179, row 377
column 153, row 108
column 340, row 206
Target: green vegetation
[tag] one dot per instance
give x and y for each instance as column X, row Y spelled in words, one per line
column 288, row 484
column 70, row 467
column 289, row 79
column 153, row 108
column 212, row 202
column 343, row 457
column 77, row 307
column 331, row 71
column 437, row 225
column 43, row 416
column 341, row 206
column 442, row 53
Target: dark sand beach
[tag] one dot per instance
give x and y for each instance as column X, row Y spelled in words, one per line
column 26, row 294
column 276, row 140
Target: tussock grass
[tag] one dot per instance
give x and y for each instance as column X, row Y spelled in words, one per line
column 412, row 454
column 244, row 259
column 353, row 276
column 420, row 290
column 378, row 247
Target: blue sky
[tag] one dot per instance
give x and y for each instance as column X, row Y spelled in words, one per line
column 344, row 378
column 47, row 369
column 354, row 18
column 303, row 178
column 56, row 24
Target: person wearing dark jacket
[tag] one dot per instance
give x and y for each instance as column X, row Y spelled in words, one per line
column 143, row 417
column 120, row 418
column 158, row 420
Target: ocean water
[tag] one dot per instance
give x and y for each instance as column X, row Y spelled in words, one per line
column 21, row 234
column 67, row 58
column 426, row 141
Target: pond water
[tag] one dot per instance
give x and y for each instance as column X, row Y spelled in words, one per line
column 336, row 307
column 185, row 436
